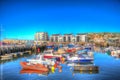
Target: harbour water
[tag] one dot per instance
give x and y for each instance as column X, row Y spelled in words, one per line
column 109, row 69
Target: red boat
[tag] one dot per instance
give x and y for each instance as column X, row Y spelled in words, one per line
column 39, row 67
column 49, row 54
column 32, row 71
column 71, row 50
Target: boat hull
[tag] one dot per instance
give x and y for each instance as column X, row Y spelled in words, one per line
column 81, row 61
column 29, row 71
column 50, row 57
column 40, row 67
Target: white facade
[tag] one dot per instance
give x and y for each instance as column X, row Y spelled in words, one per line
column 68, row 38
column 41, row 36
column 62, row 38
column 56, row 38
column 81, row 38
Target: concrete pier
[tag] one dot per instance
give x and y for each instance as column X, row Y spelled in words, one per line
column 8, row 49
column 6, row 57
column 19, row 50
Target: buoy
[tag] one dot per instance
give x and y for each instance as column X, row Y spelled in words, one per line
column 63, row 60
column 55, row 65
column 52, row 69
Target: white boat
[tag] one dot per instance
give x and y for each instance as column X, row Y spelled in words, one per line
column 49, row 54
column 77, row 59
column 40, row 60
column 115, row 53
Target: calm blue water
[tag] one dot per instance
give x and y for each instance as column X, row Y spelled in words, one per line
column 109, row 69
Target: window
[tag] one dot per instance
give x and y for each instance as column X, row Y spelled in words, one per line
column 69, row 39
column 52, row 39
column 56, row 39
column 64, row 39
column 78, row 38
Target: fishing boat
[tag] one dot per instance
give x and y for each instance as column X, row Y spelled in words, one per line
column 40, row 67
column 49, row 54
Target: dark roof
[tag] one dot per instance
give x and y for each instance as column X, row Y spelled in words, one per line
column 55, row 34
column 68, row 34
column 81, row 33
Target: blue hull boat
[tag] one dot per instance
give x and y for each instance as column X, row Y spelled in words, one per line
column 81, row 61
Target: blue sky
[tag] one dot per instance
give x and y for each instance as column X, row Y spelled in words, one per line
column 23, row 18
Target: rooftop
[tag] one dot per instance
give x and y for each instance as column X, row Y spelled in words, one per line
column 56, row 34
column 68, row 34
column 81, row 33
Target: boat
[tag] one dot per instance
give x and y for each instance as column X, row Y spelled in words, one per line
column 29, row 71
column 71, row 50
column 26, row 65
column 40, row 60
column 60, row 51
column 80, row 59
column 115, row 53
column 49, row 54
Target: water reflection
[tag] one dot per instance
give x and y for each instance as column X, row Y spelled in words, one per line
column 109, row 69
column 28, row 71
column 15, row 58
column 86, row 72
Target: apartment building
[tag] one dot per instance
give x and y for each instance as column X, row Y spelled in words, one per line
column 56, row 38
column 41, row 36
column 81, row 37
column 68, row 38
